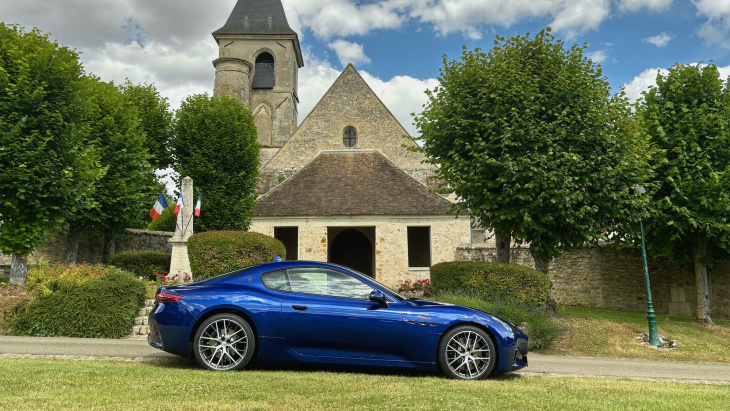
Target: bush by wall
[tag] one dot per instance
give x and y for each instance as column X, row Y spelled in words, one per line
column 142, row 263
column 216, row 252
column 534, row 321
column 103, row 307
column 166, row 221
column 522, row 285
column 44, row 278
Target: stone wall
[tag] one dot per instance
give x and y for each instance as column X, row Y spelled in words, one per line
column 604, row 277
column 91, row 249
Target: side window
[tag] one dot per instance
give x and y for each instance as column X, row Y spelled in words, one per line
column 276, row 280
column 331, row 283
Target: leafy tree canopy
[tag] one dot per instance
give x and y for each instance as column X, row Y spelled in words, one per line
column 687, row 115
column 47, row 167
column 155, row 119
column 123, row 195
column 534, row 144
column 214, row 143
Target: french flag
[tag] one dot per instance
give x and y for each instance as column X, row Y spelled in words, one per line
column 179, row 204
column 197, row 206
column 159, row 206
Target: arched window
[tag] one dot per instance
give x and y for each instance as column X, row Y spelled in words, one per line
column 349, row 137
column 263, row 77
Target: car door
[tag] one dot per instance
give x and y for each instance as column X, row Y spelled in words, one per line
column 328, row 314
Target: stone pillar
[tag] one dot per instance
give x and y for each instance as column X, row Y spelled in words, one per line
column 232, row 78
column 180, row 263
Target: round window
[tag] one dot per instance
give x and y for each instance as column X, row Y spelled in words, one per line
column 349, row 137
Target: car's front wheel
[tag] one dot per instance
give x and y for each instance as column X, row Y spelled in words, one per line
column 224, row 342
column 466, row 353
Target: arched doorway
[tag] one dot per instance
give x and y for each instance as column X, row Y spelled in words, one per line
column 352, row 248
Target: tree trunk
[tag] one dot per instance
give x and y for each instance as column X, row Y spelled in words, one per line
column 18, row 270
column 72, row 245
column 702, row 282
column 109, row 248
column 503, row 241
column 542, row 264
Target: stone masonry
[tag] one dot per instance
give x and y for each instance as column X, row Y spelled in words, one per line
column 604, row 277
column 350, row 102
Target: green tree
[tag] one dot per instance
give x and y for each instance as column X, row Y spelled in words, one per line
column 122, row 197
column 155, row 119
column 533, row 143
column 214, row 143
column 687, row 115
column 47, row 167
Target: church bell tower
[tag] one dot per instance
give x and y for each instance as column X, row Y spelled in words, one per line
column 259, row 56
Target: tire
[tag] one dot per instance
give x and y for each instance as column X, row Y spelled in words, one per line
column 467, row 353
column 224, row 342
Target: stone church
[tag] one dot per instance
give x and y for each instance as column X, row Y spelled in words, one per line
column 341, row 187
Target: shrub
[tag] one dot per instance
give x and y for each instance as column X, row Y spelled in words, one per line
column 521, row 285
column 540, row 329
column 216, row 252
column 44, row 278
column 142, row 263
column 166, row 221
column 103, row 307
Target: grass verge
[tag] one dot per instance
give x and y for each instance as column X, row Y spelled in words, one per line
column 48, row 384
column 604, row 333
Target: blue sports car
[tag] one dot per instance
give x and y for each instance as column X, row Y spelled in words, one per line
column 303, row 311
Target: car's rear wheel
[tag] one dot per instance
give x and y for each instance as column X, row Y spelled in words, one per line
column 224, row 342
column 467, row 353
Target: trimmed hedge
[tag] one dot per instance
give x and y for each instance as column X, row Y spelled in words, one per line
column 166, row 221
column 522, row 285
column 216, row 252
column 103, row 307
column 142, row 263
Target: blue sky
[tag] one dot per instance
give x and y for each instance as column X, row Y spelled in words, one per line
column 397, row 45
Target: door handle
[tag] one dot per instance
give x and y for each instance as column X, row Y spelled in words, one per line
column 299, row 307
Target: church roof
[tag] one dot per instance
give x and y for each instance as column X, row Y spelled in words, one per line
column 256, row 17
column 350, row 183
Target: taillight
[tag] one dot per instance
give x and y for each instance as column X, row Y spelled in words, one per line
column 163, row 297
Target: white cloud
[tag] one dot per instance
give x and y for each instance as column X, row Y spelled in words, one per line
column 636, row 5
column 341, row 18
column 348, row 52
column 660, row 40
column 716, row 29
column 641, row 83
column 579, row 17
column 598, row 56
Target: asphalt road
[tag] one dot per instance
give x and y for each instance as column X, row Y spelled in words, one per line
column 550, row 365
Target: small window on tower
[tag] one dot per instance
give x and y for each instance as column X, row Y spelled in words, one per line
column 263, row 77
column 349, row 137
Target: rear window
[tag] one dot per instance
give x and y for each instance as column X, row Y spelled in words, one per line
column 276, row 280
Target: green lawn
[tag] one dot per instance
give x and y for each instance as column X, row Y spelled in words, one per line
column 604, row 333
column 27, row 384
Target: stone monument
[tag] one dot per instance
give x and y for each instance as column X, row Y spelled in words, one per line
column 180, row 263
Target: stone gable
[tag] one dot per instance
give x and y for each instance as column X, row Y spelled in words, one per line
column 350, row 102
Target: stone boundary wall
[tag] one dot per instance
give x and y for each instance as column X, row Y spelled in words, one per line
column 603, row 277
column 91, row 249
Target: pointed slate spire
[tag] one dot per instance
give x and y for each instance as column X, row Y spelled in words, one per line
column 256, row 17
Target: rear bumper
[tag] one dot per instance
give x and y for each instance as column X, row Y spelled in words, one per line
column 154, row 338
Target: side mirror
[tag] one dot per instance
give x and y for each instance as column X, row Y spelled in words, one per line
column 380, row 298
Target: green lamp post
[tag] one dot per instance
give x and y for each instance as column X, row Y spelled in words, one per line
column 650, row 314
